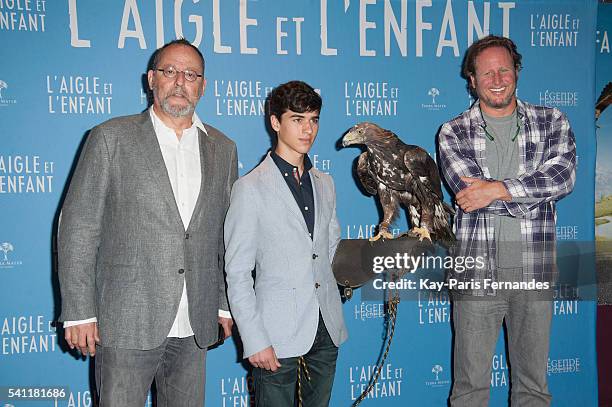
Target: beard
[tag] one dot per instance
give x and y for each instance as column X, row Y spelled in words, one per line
column 174, row 110
column 497, row 104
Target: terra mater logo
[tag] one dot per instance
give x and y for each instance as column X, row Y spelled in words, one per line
column 5, row 259
column 437, row 371
column 433, row 93
column 4, row 100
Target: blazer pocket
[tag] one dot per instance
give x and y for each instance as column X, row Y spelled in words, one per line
column 118, row 255
column 111, row 274
column 117, row 287
column 279, row 315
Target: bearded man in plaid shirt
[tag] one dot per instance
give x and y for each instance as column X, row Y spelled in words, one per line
column 507, row 162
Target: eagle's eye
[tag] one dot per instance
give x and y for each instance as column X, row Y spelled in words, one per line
column 360, row 131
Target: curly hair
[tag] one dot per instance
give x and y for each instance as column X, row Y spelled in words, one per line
column 296, row 96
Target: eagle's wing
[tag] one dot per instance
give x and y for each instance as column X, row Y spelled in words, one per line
column 428, row 190
column 424, row 170
column 386, row 161
column 605, row 98
column 363, row 172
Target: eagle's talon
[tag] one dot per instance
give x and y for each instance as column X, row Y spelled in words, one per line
column 421, row 233
column 382, row 233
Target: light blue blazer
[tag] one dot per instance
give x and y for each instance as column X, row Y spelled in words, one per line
column 265, row 231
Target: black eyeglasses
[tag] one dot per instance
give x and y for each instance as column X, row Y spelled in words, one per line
column 171, row 72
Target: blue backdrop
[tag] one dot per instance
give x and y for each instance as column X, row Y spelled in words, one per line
column 67, row 66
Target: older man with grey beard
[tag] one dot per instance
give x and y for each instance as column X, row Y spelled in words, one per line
column 141, row 244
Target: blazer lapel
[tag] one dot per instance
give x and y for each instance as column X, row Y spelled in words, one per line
column 151, row 150
column 207, row 158
column 274, row 179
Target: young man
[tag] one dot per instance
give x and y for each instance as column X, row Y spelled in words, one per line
column 507, row 162
column 282, row 223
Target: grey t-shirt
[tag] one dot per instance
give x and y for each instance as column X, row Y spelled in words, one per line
column 502, row 155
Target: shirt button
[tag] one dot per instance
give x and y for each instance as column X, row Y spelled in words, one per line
column 317, row 285
column 305, row 208
column 181, row 271
column 286, row 175
column 314, row 256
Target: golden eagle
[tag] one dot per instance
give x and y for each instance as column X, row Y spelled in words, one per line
column 401, row 174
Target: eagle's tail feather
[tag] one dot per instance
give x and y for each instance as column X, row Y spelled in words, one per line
column 442, row 225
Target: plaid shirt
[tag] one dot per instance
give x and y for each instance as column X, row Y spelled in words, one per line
column 546, row 174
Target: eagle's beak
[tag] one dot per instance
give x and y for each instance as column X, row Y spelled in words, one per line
column 352, row 137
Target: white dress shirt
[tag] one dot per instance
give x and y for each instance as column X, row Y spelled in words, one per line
column 182, row 159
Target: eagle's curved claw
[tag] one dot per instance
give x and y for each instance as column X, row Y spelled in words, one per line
column 384, row 233
column 421, row 233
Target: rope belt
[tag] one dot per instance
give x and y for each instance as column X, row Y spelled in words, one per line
column 302, row 370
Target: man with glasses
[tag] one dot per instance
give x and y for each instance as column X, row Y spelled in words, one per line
column 508, row 162
column 140, row 242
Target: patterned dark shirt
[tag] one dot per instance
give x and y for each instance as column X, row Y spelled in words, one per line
column 546, row 174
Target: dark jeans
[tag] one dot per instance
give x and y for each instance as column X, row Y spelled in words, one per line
column 124, row 376
column 278, row 388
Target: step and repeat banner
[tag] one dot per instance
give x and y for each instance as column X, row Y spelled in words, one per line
column 69, row 65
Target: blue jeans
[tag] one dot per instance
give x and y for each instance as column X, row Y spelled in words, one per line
column 124, row 376
column 278, row 389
